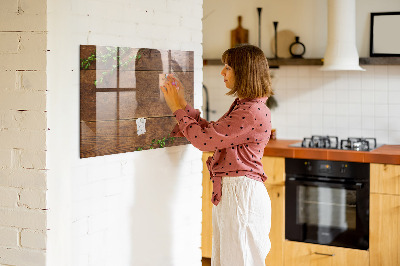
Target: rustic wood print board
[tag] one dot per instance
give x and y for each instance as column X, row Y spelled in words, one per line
column 122, row 108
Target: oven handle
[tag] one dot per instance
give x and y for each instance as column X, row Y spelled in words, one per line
column 357, row 185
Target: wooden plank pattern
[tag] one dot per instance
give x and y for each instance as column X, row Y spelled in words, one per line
column 144, row 100
column 119, row 85
column 118, row 136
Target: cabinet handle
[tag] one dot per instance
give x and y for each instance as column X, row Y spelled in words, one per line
column 324, row 254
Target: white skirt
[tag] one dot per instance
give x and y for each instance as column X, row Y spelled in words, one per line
column 241, row 223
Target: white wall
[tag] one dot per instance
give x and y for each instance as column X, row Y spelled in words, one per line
column 306, row 19
column 140, row 208
column 23, row 133
column 311, row 102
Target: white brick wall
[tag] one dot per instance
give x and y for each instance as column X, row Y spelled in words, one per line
column 22, row 132
column 140, row 208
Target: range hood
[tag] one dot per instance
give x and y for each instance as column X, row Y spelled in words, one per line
column 341, row 51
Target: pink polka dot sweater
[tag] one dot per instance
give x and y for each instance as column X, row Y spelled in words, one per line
column 238, row 139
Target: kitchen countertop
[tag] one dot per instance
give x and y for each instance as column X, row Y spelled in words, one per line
column 389, row 154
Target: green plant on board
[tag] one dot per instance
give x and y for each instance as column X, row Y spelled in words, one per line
column 112, row 53
column 159, row 143
column 86, row 62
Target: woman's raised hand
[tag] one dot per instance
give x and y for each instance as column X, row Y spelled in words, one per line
column 173, row 91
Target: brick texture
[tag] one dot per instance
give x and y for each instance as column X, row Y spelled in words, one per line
column 23, row 125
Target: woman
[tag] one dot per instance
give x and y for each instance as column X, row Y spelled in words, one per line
column 242, row 208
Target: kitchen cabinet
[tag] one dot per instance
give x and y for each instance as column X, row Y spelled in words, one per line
column 274, row 168
column 305, row 254
column 385, row 178
column 206, row 225
column 385, row 215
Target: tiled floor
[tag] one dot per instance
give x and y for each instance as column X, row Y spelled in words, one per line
column 206, row 261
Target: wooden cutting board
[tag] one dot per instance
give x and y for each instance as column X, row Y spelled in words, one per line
column 239, row 35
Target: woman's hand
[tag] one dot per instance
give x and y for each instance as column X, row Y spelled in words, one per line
column 181, row 91
column 173, row 93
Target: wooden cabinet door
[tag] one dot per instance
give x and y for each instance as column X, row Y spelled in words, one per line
column 206, row 225
column 385, row 178
column 384, row 230
column 304, row 254
column 274, row 168
column 277, row 233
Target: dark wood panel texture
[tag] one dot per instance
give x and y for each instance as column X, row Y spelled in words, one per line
column 118, row 85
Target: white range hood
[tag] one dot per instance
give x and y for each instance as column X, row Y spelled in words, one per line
column 341, row 51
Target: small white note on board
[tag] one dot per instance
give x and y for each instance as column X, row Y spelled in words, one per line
column 141, row 125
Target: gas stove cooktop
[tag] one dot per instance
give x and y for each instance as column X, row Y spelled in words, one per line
column 332, row 142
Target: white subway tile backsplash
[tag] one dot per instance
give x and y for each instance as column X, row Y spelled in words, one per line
column 342, row 81
column 329, row 123
column 394, row 123
column 367, row 96
column 368, row 123
column 354, row 122
column 291, row 71
column 343, row 96
column 304, row 82
column 394, row 82
column 342, row 122
column 355, row 103
column 355, row 96
column 394, row 97
column 380, row 71
column 393, row 71
column 394, row 110
column 329, row 109
column 304, row 72
column 381, row 123
column 316, row 83
column 342, row 109
column 355, row 132
column 367, row 133
column 394, row 137
column 367, row 110
column 329, row 93
column 381, row 110
column 292, row 82
column 381, row 84
column 381, row 136
column 381, row 97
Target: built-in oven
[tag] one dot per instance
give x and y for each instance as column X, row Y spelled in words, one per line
column 327, row 202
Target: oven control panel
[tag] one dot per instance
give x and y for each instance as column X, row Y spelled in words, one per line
column 337, row 169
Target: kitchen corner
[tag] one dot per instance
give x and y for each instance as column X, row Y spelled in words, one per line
column 378, row 199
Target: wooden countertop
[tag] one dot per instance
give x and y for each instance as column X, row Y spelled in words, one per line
column 389, row 154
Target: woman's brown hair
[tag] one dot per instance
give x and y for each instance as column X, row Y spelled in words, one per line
column 250, row 66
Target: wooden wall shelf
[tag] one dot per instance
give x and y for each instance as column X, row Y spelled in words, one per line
column 273, row 63
column 380, row 61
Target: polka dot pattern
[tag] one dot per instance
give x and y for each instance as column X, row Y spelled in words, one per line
column 238, row 139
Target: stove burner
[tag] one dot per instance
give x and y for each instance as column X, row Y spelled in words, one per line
column 328, row 142
column 358, row 144
column 332, row 142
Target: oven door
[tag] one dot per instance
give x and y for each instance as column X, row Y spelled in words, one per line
column 327, row 213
